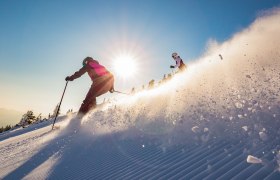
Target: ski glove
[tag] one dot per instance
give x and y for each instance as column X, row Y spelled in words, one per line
column 172, row 66
column 68, row 78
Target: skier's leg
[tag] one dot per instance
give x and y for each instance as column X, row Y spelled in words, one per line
column 89, row 102
column 100, row 86
column 87, row 105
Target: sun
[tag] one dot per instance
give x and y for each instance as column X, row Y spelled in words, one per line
column 125, row 66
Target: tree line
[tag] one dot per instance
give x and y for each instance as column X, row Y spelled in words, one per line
column 30, row 118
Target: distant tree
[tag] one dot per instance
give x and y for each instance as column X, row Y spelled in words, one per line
column 169, row 76
column 164, row 78
column 27, row 118
column 55, row 111
column 132, row 91
column 151, row 84
column 8, row 127
column 69, row 112
column 39, row 118
column 1, row 129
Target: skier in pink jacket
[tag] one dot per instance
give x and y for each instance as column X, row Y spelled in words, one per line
column 102, row 82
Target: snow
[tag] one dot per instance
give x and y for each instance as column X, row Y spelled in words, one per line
column 263, row 136
column 245, row 128
column 204, row 123
column 253, row 160
column 195, row 129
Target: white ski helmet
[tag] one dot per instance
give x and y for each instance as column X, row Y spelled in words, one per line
column 174, row 55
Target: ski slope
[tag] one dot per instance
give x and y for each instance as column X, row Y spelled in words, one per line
column 218, row 120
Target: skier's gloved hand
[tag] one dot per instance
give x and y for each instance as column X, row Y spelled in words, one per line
column 68, row 78
column 172, row 66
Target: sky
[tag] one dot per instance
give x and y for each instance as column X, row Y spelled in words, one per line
column 42, row 42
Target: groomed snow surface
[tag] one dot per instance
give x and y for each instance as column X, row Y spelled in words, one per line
column 218, row 120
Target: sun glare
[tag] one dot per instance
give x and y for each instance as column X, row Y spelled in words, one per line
column 125, row 66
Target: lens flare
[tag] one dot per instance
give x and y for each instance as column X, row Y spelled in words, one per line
column 125, row 66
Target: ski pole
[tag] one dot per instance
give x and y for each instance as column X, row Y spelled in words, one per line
column 121, row 92
column 59, row 105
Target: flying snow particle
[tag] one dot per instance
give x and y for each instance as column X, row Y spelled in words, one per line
column 143, row 146
column 263, row 136
column 254, row 102
column 278, row 160
column 253, row 160
column 195, row 129
column 245, row 128
column 205, row 138
column 238, row 105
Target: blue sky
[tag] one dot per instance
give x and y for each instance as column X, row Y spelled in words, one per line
column 41, row 42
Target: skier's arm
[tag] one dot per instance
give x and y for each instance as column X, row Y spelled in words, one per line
column 78, row 74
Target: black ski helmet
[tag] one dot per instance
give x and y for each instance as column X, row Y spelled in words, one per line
column 89, row 59
column 86, row 59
